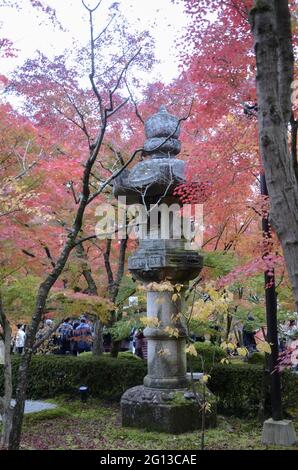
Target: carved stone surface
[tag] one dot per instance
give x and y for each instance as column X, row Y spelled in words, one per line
column 155, row 177
column 162, row 132
column 161, row 147
column 156, row 263
column 165, row 410
column 160, row 174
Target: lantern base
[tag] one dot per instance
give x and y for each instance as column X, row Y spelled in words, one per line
column 280, row 433
column 170, row 411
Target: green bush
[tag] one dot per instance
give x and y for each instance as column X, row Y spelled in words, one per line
column 239, row 388
column 256, row 358
column 106, row 377
column 210, row 353
column 243, row 389
column 121, row 355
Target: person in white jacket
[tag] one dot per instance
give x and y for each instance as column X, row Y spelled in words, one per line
column 20, row 339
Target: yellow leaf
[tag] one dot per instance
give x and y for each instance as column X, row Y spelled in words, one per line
column 205, row 378
column 172, row 331
column 190, row 349
column 225, row 361
column 163, row 352
column 206, row 407
column 150, row 321
column 242, row 352
column 174, row 297
column 263, row 346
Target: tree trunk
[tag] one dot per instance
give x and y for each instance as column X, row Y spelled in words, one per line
column 274, row 57
column 6, row 409
column 97, row 348
column 115, row 348
column 114, row 284
column 41, row 298
column 271, row 318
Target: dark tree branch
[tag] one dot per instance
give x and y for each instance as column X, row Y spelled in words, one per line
column 27, row 253
column 109, row 271
column 49, row 256
column 91, row 10
column 117, row 154
column 134, row 103
column 86, row 270
column 105, row 28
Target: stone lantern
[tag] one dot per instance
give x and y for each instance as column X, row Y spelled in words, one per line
column 164, row 402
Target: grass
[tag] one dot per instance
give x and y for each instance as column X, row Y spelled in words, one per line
column 97, row 425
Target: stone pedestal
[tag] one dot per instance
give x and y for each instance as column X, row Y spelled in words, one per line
column 166, row 343
column 166, row 402
column 171, row 411
column 280, row 433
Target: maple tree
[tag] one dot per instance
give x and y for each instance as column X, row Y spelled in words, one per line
column 224, row 124
column 78, row 120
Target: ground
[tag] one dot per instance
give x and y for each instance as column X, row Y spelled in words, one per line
column 97, row 425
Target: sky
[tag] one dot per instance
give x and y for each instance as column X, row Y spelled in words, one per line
column 165, row 21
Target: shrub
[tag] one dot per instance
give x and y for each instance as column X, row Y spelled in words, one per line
column 242, row 389
column 106, row 377
column 256, row 358
column 210, row 353
column 121, row 355
column 239, row 388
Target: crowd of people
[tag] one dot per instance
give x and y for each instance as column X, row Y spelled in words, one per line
column 71, row 337
column 75, row 336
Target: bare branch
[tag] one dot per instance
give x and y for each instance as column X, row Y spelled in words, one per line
column 117, row 154
column 31, row 255
column 71, row 120
column 92, row 73
column 91, row 10
column 97, row 177
column 123, row 71
column 134, row 102
column 49, row 256
column 109, row 114
column 25, row 171
column 105, row 28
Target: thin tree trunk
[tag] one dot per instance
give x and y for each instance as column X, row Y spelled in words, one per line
column 97, row 348
column 114, row 284
column 271, row 318
column 6, row 409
